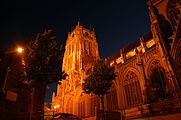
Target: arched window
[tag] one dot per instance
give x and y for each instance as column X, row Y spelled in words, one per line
column 158, row 81
column 86, row 33
column 132, row 89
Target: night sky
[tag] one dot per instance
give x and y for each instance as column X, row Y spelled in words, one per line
column 117, row 22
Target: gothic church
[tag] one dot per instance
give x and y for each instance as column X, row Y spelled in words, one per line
column 148, row 82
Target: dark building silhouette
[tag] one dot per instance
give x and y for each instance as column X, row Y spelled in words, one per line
column 19, row 100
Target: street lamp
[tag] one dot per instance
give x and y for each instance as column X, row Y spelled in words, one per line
column 56, row 106
column 7, row 53
column 20, row 49
column 54, row 110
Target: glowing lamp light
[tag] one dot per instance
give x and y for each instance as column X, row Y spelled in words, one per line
column 58, row 105
column 19, row 50
column 55, row 107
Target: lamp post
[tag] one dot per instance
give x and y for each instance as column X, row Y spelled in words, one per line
column 5, row 79
column 18, row 50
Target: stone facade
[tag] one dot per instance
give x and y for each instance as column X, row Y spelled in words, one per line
column 80, row 52
column 148, row 82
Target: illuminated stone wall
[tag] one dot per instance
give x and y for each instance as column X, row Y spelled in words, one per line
column 80, row 52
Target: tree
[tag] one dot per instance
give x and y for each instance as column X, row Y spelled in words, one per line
column 43, row 65
column 99, row 80
column 44, row 56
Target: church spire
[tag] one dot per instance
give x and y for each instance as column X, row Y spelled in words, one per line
column 78, row 23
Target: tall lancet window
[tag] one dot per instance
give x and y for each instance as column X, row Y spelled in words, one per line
column 132, row 89
column 158, row 81
column 90, row 48
column 87, row 47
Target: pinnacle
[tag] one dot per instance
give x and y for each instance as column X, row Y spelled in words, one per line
column 78, row 23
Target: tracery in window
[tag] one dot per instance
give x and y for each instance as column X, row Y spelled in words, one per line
column 158, row 81
column 132, row 89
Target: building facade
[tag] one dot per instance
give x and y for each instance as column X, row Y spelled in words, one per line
column 80, row 52
column 148, row 82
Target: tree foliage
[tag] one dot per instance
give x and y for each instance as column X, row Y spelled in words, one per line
column 43, row 58
column 99, row 79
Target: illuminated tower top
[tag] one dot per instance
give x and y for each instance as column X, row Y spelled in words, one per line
column 81, row 49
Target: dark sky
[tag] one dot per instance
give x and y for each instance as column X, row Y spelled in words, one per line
column 116, row 22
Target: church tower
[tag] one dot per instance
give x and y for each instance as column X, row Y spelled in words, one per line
column 81, row 51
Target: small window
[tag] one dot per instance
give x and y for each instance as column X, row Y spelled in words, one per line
column 86, row 33
column 73, row 35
